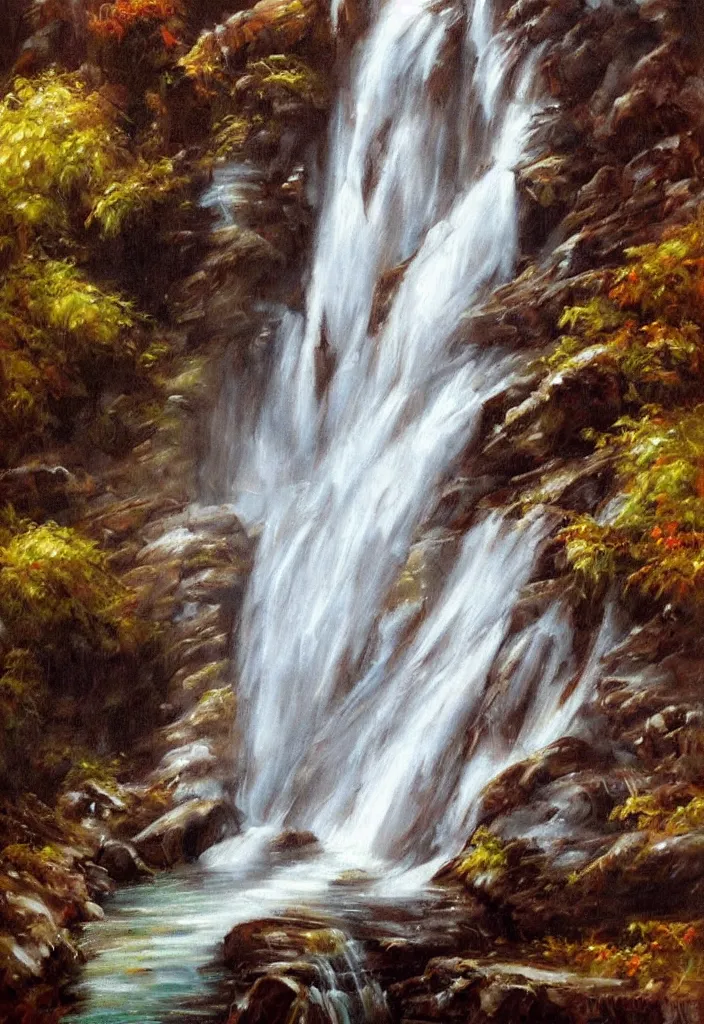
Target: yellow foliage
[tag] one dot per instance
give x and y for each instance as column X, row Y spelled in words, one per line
column 487, row 857
column 650, row 814
column 648, row 328
column 59, row 146
column 54, row 585
column 135, row 196
column 66, row 160
column 655, row 536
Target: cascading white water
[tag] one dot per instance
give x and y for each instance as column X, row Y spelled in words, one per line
column 350, row 728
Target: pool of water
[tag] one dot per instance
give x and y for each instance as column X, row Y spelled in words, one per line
column 155, row 957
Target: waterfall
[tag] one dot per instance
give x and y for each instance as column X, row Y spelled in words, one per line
column 372, row 731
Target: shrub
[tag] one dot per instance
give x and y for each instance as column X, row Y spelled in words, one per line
column 67, row 162
column 61, row 338
column 117, row 20
column 654, row 538
column 649, row 322
column 647, row 952
column 59, row 146
column 648, row 328
column 57, row 595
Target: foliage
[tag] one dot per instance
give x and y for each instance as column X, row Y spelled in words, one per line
column 204, row 61
column 282, row 75
column 59, row 146
column 655, row 537
column 66, row 162
column 648, row 952
column 650, row 320
column 648, row 329
column 67, row 622
column 61, row 337
column 56, row 589
column 88, row 768
column 116, row 20
column 136, row 196
column 230, row 135
column 22, row 696
column 487, row 857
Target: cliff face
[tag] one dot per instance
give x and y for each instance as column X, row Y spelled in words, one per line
column 592, row 840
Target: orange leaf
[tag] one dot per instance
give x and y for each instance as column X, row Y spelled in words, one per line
column 169, row 40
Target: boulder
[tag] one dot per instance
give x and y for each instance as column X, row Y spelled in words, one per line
column 121, row 861
column 186, row 832
column 271, row 26
column 279, row 1000
column 480, row 991
column 292, row 839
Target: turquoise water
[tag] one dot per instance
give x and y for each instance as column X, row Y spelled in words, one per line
column 154, row 959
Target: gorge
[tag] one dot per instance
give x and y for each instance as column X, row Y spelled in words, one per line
column 419, row 523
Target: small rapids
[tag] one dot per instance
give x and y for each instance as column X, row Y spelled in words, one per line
column 371, row 722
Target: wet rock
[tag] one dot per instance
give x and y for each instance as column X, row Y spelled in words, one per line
column 121, row 861
column 292, row 839
column 243, row 253
column 279, row 1000
column 48, row 489
column 216, row 520
column 212, row 718
column 514, row 787
column 270, row 940
column 93, row 912
column 548, row 180
column 270, row 26
column 481, row 992
column 190, row 685
column 153, row 584
column 186, row 832
column 353, row 877
column 92, row 801
column 98, row 880
column 213, row 586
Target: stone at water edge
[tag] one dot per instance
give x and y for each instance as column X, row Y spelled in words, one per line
column 186, row 832
column 121, row 861
column 278, row 1000
column 292, row 839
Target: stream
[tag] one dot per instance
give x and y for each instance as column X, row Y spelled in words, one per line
column 156, row 957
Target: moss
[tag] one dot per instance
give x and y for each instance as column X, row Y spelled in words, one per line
column 230, row 135
column 89, row 768
column 281, row 75
column 651, row 815
column 487, row 858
